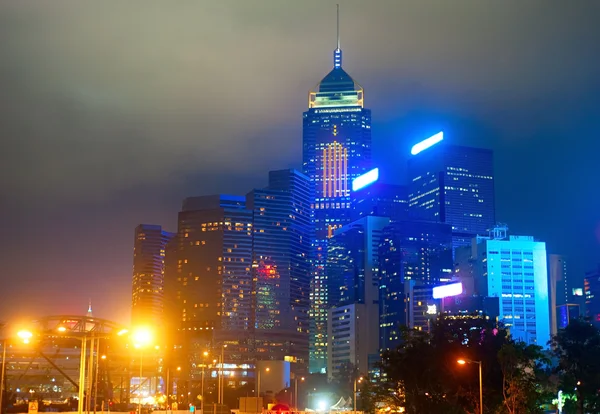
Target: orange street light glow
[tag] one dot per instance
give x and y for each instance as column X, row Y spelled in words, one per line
column 461, row 361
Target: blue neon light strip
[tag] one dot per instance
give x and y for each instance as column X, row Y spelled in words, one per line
column 366, row 179
column 427, row 143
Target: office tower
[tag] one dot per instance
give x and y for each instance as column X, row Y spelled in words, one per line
column 281, row 243
column 210, row 279
column 558, row 288
column 148, row 275
column 415, row 252
column 352, row 267
column 454, row 185
column 371, row 197
column 336, row 149
column 591, row 287
column 514, row 269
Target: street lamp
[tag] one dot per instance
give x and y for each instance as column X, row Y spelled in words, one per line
column 468, row 361
column 25, row 337
column 141, row 338
column 205, row 354
column 258, row 380
column 355, row 381
column 296, row 392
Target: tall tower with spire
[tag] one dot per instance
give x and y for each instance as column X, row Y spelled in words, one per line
column 336, row 149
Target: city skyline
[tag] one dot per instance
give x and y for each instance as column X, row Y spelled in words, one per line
column 47, row 211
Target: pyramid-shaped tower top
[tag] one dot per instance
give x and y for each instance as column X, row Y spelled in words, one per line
column 337, row 88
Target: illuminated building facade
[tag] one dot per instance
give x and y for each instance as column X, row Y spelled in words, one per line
column 454, row 185
column 591, row 286
column 148, row 275
column 281, row 268
column 515, row 271
column 210, row 280
column 336, row 149
column 413, row 257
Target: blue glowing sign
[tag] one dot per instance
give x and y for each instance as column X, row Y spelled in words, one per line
column 366, row 179
column 429, row 142
column 444, row 291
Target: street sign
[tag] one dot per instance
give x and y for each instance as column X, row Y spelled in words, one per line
column 33, row 407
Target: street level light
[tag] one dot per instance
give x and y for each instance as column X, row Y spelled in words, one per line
column 296, row 391
column 355, row 381
column 468, row 361
column 25, row 337
column 141, row 337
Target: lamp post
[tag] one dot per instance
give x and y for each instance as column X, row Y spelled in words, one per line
column 296, row 392
column 2, row 375
column 355, row 381
column 25, row 337
column 205, row 354
column 141, row 337
column 468, row 361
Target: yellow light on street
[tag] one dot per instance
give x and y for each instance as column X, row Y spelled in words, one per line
column 122, row 332
column 205, row 353
column 267, row 369
column 461, row 361
column 62, row 329
column 25, row 336
column 142, row 337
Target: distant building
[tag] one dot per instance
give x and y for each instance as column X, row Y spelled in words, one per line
column 514, row 270
column 452, row 184
column 148, row 275
column 336, row 149
column 559, row 288
column 592, row 296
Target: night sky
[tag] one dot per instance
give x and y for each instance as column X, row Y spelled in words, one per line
column 112, row 112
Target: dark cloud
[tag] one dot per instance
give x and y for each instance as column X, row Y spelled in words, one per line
column 111, row 112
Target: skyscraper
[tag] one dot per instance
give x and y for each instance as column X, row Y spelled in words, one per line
column 281, row 244
column 336, row 149
column 209, row 271
column 452, row 184
column 148, row 275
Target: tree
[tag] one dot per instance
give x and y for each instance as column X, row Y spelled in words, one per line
column 524, row 377
column 422, row 375
column 577, row 348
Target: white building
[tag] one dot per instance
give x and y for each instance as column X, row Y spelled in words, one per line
column 516, row 271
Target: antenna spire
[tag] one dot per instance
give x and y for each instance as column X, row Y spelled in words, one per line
column 337, row 53
column 90, row 308
column 338, row 26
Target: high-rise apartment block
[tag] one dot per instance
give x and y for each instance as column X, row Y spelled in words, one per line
column 452, row 184
column 149, row 275
column 336, row 149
